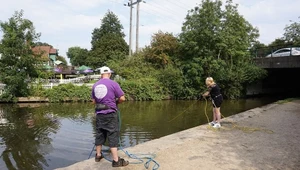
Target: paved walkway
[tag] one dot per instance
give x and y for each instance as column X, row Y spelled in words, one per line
column 263, row 138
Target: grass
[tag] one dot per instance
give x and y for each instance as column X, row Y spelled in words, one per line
column 286, row 100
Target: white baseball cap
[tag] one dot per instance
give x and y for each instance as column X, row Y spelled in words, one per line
column 105, row 69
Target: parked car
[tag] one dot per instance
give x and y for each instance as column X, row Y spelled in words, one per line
column 283, row 52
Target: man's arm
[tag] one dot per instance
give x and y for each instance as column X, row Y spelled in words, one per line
column 121, row 99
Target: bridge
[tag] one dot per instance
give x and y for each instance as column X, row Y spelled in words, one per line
column 278, row 62
column 281, row 79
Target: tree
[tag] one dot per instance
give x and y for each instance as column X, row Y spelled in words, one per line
column 259, row 49
column 110, row 24
column 107, row 42
column 278, row 43
column 215, row 42
column 163, row 47
column 41, row 44
column 199, row 37
column 292, row 33
column 17, row 62
column 78, row 56
column 237, row 35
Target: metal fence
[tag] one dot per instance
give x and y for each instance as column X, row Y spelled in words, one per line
column 50, row 85
column 83, row 79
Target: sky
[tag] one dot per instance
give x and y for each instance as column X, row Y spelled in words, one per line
column 69, row 23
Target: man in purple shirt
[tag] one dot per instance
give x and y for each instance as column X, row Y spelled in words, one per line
column 106, row 93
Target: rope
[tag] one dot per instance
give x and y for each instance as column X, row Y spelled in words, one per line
column 235, row 125
column 205, row 111
column 183, row 111
column 148, row 157
column 138, row 157
column 92, row 151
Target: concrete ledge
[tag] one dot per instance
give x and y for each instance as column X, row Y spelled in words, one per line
column 32, row 99
column 41, row 100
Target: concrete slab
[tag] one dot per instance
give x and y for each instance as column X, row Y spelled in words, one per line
column 265, row 138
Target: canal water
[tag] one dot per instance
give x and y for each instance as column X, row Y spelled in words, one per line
column 47, row 136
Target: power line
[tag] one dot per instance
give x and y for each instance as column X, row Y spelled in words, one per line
column 171, row 13
column 180, row 6
column 156, row 10
column 178, row 1
column 159, row 16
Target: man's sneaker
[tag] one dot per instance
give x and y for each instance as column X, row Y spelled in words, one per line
column 212, row 123
column 121, row 162
column 98, row 158
column 217, row 125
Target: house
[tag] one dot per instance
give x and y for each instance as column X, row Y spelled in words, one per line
column 48, row 54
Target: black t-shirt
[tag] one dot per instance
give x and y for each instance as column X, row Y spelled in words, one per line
column 214, row 90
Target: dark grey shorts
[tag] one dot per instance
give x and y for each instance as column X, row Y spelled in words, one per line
column 107, row 127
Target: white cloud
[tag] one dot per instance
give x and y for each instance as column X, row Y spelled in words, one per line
column 80, row 4
column 270, row 16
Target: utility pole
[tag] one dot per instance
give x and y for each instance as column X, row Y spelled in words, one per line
column 131, row 4
column 130, row 27
column 130, row 32
column 137, row 25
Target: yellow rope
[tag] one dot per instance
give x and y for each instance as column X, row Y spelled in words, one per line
column 183, row 111
column 235, row 125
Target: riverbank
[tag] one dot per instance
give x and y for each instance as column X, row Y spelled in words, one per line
column 262, row 138
column 44, row 100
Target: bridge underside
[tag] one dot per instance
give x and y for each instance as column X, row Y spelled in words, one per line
column 280, row 81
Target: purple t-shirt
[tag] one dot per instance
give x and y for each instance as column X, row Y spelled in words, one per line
column 105, row 91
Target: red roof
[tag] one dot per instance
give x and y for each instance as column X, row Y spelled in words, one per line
column 44, row 51
column 53, row 51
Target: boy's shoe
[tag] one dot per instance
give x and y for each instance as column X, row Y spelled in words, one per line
column 121, row 162
column 212, row 123
column 98, row 158
column 217, row 125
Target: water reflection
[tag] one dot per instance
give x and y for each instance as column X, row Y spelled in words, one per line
column 49, row 136
column 27, row 141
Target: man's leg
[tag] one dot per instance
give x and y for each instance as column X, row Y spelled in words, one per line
column 100, row 137
column 98, row 150
column 113, row 141
column 114, row 152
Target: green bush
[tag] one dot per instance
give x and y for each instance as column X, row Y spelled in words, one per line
column 68, row 92
column 37, row 90
column 143, row 89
